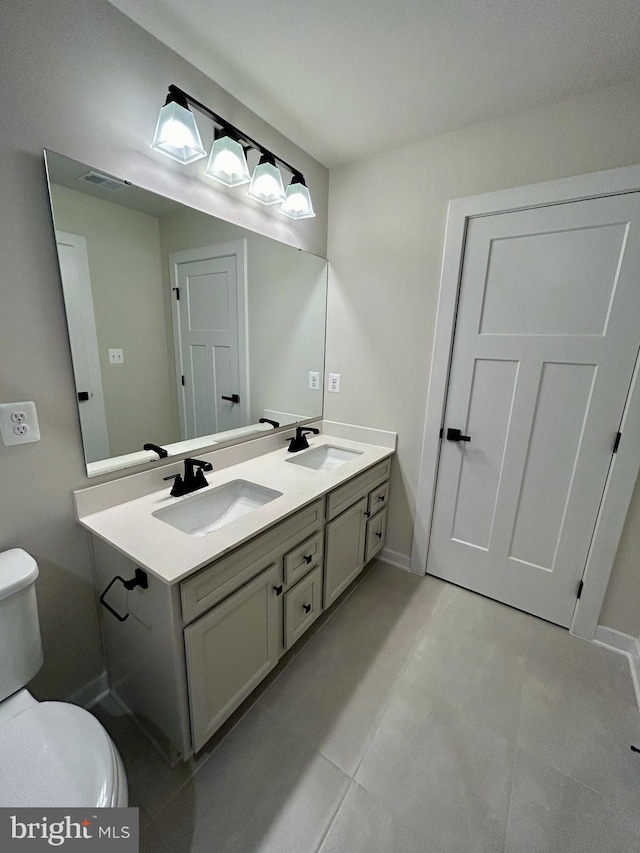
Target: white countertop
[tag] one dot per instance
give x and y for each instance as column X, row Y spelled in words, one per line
column 172, row 555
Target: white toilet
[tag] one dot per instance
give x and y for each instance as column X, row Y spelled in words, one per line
column 51, row 753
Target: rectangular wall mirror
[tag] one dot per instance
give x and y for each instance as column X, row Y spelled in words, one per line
column 186, row 331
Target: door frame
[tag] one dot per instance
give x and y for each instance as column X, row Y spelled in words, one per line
column 625, row 465
column 80, row 304
column 207, row 253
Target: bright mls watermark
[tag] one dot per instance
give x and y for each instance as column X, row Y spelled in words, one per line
column 114, row 830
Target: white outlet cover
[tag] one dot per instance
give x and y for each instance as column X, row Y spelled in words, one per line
column 333, row 383
column 27, row 427
column 314, row 380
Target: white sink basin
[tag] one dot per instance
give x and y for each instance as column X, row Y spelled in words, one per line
column 208, row 511
column 325, row 458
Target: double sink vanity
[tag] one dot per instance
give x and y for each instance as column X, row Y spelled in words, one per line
column 234, row 574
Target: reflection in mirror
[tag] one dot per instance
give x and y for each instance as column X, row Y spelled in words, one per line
column 185, row 330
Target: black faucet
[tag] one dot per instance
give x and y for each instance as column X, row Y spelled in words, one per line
column 162, row 453
column 193, row 479
column 299, row 440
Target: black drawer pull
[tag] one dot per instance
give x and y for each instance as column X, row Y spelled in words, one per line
column 278, row 589
column 379, row 535
column 307, row 559
column 368, row 514
column 306, row 608
column 381, row 497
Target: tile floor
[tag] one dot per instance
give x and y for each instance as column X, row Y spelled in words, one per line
column 418, row 718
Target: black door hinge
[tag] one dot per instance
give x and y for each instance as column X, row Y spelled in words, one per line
column 616, row 443
column 177, row 291
column 580, row 587
column 182, row 379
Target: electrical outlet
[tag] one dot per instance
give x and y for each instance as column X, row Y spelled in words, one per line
column 314, row 380
column 333, row 384
column 19, row 423
column 116, row 356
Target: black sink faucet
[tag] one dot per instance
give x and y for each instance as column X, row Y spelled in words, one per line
column 193, row 479
column 299, row 440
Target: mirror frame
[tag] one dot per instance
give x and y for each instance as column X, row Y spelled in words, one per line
column 131, row 463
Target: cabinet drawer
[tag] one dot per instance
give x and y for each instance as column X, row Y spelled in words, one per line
column 378, row 498
column 298, row 562
column 215, row 582
column 302, row 606
column 342, row 497
column 376, row 530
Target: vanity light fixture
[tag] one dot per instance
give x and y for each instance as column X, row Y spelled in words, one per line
column 177, row 137
column 177, row 133
column 266, row 182
column 227, row 161
column 297, row 204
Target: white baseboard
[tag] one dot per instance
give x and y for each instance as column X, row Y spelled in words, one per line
column 625, row 645
column 395, row 558
column 91, row 693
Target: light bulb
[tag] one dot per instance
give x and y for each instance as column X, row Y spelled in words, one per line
column 176, row 134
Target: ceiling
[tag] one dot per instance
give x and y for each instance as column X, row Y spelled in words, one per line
column 344, row 79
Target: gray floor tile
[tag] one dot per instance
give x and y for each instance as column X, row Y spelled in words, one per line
column 388, row 586
column 473, row 674
column 582, row 733
column 335, row 702
column 551, row 813
column 461, row 610
column 262, row 790
column 436, row 769
column 152, row 782
column 553, row 654
column 364, row 825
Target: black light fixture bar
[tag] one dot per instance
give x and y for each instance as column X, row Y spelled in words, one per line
column 180, row 95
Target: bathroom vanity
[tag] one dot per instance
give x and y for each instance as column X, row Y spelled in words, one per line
column 224, row 602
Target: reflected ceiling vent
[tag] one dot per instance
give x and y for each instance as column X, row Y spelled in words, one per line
column 102, row 181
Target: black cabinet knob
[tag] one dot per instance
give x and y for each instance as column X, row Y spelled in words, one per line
column 306, row 608
column 308, row 558
column 278, row 589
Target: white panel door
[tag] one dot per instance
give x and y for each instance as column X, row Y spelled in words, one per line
column 83, row 338
column 546, row 339
column 209, row 340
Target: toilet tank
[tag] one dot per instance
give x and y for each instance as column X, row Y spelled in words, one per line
column 20, row 644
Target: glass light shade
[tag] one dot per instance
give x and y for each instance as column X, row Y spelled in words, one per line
column 177, row 134
column 266, row 184
column 297, row 204
column 228, row 163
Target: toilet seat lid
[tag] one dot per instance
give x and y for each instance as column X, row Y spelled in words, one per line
column 57, row 755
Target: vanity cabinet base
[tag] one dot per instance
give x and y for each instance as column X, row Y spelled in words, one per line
column 189, row 654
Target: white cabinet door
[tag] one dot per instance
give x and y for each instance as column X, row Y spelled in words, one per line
column 545, row 345
column 344, row 550
column 229, row 651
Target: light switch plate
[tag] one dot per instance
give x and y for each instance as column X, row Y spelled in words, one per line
column 116, row 356
column 19, row 423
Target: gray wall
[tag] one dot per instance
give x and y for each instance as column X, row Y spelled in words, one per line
column 80, row 78
column 123, row 250
column 386, row 236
